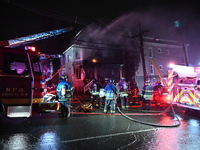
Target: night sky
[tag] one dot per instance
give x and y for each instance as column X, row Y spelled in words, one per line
column 25, row 17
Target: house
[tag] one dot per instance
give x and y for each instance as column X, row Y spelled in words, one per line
column 88, row 58
column 162, row 52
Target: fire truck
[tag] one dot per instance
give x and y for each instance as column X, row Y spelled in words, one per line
column 184, row 85
column 22, row 80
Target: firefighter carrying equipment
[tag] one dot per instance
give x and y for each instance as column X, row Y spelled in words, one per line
column 64, row 92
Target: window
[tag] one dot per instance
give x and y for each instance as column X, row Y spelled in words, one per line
column 78, row 72
column 160, row 67
column 151, row 70
column 36, row 65
column 15, row 64
column 67, row 58
column 167, row 51
column 159, row 50
column 77, row 55
column 150, row 52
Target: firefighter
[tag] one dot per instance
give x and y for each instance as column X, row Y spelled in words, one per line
column 64, row 93
column 134, row 92
column 147, row 95
column 102, row 97
column 94, row 90
column 123, row 92
column 157, row 92
column 110, row 92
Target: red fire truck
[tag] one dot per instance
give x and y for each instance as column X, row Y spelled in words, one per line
column 22, row 86
column 184, row 84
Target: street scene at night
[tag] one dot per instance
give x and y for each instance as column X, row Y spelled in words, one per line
column 153, row 129
column 99, row 75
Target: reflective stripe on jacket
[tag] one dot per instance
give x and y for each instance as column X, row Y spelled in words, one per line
column 148, row 92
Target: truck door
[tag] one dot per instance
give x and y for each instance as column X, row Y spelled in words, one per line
column 16, row 84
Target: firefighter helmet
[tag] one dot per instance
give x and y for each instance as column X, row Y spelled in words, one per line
column 110, row 80
column 106, row 79
column 123, row 78
column 63, row 77
column 147, row 82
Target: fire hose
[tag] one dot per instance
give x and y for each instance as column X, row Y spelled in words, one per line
column 152, row 124
column 138, row 121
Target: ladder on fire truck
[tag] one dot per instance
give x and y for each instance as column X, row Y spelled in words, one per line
column 33, row 38
column 158, row 72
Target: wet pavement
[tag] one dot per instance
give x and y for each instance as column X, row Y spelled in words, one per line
column 133, row 128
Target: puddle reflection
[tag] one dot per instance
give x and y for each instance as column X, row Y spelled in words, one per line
column 17, row 141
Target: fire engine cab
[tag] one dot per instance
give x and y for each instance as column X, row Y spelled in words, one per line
column 184, row 84
column 22, row 81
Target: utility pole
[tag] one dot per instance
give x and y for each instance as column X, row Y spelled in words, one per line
column 184, row 49
column 177, row 25
column 142, row 52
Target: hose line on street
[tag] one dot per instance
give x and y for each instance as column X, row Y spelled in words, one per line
column 152, row 124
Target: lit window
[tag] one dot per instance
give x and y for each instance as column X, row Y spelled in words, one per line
column 15, row 64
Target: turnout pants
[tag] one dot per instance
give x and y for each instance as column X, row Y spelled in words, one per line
column 144, row 102
column 65, row 108
column 124, row 101
column 110, row 103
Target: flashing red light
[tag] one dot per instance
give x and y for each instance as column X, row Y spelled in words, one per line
column 168, row 97
column 31, row 48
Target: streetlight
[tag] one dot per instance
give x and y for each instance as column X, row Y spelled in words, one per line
column 95, row 69
column 94, row 61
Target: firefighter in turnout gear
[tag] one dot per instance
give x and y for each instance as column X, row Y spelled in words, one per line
column 94, row 90
column 110, row 92
column 157, row 93
column 123, row 92
column 147, row 95
column 64, row 93
column 134, row 91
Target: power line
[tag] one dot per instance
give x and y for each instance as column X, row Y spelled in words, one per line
column 49, row 14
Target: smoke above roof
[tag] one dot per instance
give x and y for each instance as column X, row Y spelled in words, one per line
column 122, row 31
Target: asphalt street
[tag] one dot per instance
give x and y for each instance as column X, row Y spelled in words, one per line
column 133, row 128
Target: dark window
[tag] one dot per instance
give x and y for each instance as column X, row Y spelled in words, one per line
column 150, row 52
column 159, row 50
column 36, row 65
column 77, row 55
column 78, row 72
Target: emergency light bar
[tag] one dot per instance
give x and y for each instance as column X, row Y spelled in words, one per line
column 31, row 48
